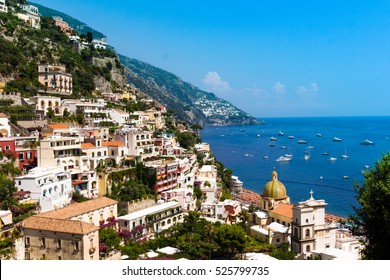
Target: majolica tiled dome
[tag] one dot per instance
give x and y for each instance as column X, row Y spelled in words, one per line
column 274, row 188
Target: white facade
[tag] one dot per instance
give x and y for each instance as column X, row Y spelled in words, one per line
column 119, row 116
column 185, row 196
column 309, row 231
column 31, row 16
column 43, row 103
column 51, row 187
column 5, row 127
column 139, row 142
column 155, row 218
column 3, row 6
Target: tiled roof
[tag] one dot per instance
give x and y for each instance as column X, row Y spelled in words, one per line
column 76, row 209
column 57, row 125
column 58, row 225
column 87, row 145
column 113, row 144
column 283, row 209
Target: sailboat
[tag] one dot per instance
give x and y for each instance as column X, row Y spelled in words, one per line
column 345, row 154
column 307, row 155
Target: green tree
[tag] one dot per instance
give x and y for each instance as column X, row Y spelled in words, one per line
column 109, row 237
column 7, row 188
column 231, row 240
column 371, row 220
column 186, row 139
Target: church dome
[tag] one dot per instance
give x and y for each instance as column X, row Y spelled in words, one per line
column 274, row 188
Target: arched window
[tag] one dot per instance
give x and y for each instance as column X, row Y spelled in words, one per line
column 307, row 233
column 308, row 248
column 44, row 193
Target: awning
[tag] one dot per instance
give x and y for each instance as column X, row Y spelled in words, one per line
column 7, row 220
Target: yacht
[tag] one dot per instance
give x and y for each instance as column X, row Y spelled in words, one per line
column 319, row 135
column 272, row 139
column 335, row 139
column 280, row 133
column 367, row 142
column 284, row 158
column 345, row 154
column 302, row 142
column 332, row 159
column 291, row 137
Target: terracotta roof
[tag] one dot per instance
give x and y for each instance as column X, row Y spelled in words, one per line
column 76, row 209
column 283, row 209
column 87, row 145
column 58, row 225
column 2, row 115
column 112, row 144
column 57, row 125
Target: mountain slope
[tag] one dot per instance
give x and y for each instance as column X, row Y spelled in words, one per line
column 77, row 25
column 189, row 102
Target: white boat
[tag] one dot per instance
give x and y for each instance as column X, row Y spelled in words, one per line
column 271, row 144
column 310, row 147
column 291, row 137
column 283, row 147
column 319, row 135
column 284, row 158
column 306, row 156
column 265, row 157
column 335, row 139
column 332, row 159
column 301, row 142
column 280, row 133
column 367, row 142
column 258, row 135
column 345, row 177
column 345, row 154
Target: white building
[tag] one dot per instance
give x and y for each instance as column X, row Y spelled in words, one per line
column 43, row 103
column 309, row 231
column 51, row 187
column 139, row 143
column 119, row 116
column 185, row 196
column 153, row 219
column 3, row 7
column 30, row 16
column 5, row 127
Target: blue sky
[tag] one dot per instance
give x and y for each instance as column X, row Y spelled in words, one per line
column 269, row 58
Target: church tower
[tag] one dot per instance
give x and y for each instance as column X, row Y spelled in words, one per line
column 309, row 230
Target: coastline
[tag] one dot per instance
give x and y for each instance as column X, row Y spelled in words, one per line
column 253, row 198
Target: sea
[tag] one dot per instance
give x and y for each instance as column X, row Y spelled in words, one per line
column 246, row 150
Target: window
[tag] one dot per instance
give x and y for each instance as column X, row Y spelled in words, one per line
column 27, row 242
column 90, row 220
column 43, row 243
column 307, row 233
column 140, row 221
column 133, row 224
column 59, row 258
column 21, row 156
column 27, row 256
column 308, row 248
column 112, row 153
column 76, row 245
column 58, row 243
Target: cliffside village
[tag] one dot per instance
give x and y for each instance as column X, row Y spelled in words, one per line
column 69, row 158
